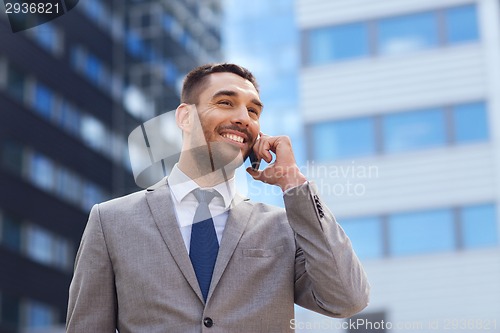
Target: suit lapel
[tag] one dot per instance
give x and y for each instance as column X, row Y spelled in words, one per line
column 160, row 202
column 238, row 218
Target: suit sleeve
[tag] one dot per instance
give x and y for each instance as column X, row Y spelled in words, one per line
column 329, row 278
column 92, row 296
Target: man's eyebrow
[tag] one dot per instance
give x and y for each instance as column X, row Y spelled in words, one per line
column 232, row 93
column 224, row 93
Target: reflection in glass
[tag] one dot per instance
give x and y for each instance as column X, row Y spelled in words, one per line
column 343, row 139
column 461, row 24
column 39, row 315
column 366, row 236
column 15, row 83
column 42, row 171
column 407, row 33
column 39, row 244
column 479, row 226
column 421, row 232
column 337, row 43
column 43, row 100
column 414, row 130
column 470, row 122
column 11, row 233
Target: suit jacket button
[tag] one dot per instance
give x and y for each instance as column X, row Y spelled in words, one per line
column 208, row 322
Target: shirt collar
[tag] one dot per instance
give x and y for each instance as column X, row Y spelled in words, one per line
column 181, row 185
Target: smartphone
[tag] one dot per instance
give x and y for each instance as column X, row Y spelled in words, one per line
column 254, row 161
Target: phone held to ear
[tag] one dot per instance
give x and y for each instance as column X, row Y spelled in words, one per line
column 254, row 161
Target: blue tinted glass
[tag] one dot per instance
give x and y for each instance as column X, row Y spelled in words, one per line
column 11, row 233
column 69, row 118
column 339, row 42
column 470, row 122
column 342, row 139
column 414, row 130
column 15, row 83
column 479, row 226
column 407, row 33
column 421, row 232
column 365, row 235
column 43, row 100
column 134, row 44
column 461, row 24
column 94, row 68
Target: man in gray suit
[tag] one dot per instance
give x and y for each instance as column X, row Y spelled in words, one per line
column 191, row 255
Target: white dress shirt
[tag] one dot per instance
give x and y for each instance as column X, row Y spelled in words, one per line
column 185, row 203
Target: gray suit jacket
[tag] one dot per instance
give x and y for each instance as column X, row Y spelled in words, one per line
column 133, row 273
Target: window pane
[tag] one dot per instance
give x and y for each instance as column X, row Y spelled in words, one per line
column 93, row 68
column 11, row 233
column 39, row 315
column 470, row 122
column 91, row 195
column 407, row 33
column 12, row 157
column 336, row 43
column 44, row 100
column 15, row 83
column 479, row 226
column 68, row 185
column 421, row 232
column 93, row 132
column 342, row 139
column 365, row 235
column 9, row 308
column 461, row 24
column 69, row 118
column 47, row 36
column 39, row 245
column 42, row 171
column 414, row 130
column 63, row 254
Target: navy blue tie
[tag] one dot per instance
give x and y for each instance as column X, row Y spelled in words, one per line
column 204, row 246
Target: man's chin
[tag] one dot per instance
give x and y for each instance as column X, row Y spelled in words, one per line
column 225, row 155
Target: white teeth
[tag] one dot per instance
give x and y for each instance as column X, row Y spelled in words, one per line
column 233, row 137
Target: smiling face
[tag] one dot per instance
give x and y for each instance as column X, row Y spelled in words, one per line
column 229, row 109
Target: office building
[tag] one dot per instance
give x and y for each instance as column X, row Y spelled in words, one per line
column 262, row 36
column 402, row 114
column 71, row 90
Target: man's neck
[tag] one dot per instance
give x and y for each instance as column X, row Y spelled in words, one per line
column 204, row 176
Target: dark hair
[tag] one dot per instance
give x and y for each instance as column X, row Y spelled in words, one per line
column 196, row 80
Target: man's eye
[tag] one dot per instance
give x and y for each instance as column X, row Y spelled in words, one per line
column 228, row 103
column 253, row 110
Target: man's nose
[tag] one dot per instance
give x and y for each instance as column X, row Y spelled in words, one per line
column 241, row 117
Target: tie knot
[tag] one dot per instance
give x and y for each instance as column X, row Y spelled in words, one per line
column 204, row 196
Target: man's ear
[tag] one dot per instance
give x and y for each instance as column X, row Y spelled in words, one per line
column 183, row 117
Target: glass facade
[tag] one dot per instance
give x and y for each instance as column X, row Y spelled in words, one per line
column 35, row 242
column 51, row 176
column 393, row 35
column 407, row 33
column 461, row 24
column 470, row 123
column 399, row 132
column 367, row 236
column 479, row 227
column 343, row 139
column 413, row 130
column 423, row 232
column 61, row 112
column 343, row 42
column 49, row 37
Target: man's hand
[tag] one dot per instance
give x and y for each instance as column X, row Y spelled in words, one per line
column 284, row 171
